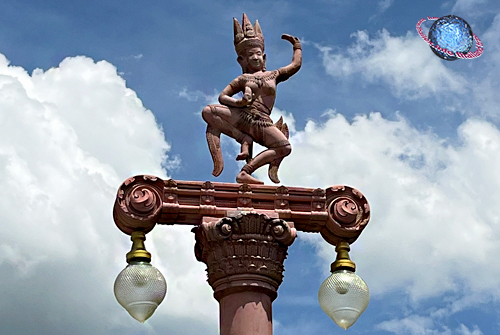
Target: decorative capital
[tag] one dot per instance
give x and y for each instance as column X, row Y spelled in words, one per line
column 247, row 247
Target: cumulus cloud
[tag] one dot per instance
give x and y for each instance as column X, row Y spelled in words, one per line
column 471, row 7
column 199, row 95
column 404, row 63
column 485, row 91
column 435, row 223
column 69, row 136
column 383, row 5
column 414, row 325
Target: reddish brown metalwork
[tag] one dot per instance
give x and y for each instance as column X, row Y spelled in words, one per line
column 246, row 313
column 338, row 212
column 248, row 243
column 242, row 233
column 247, row 119
column 244, row 256
column 243, row 230
column 348, row 214
column 138, row 205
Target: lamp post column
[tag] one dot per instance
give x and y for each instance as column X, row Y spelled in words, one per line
column 244, row 254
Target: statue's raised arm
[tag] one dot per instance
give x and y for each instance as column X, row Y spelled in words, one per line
column 247, row 119
column 291, row 69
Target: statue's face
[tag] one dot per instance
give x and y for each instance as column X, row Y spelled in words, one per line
column 254, row 59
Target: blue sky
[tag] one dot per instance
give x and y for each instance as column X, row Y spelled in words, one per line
column 92, row 92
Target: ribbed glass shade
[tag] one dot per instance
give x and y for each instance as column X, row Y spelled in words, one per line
column 140, row 288
column 343, row 297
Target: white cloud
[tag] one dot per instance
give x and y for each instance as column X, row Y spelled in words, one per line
column 419, row 325
column 133, row 57
column 383, row 5
column 414, row 325
column 463, row 330
column 491, row 37
column 199, row 95
column 468, row 6
column 435, row 223
column 69, row 136
column 305, row 327
column 405, row 64
column 485, row 91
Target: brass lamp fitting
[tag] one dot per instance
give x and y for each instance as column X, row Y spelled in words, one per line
column 343, row 262
column 138, row 251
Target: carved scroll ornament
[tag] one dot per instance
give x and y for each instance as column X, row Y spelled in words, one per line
column 348, row 214
column 138, row 204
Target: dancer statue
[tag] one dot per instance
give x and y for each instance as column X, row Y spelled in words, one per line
column 247, row 119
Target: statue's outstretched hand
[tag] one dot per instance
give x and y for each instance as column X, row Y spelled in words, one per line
column 292, row 39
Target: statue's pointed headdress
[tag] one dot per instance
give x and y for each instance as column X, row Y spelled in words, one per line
column 247, row 36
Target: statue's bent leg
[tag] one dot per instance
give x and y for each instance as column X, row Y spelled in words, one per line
column 273, row 170
column 245, row 149
column 213, row 140
column 279, row 147
column 224, row 119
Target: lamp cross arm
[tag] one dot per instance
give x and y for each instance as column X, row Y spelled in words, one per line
column 338, row 213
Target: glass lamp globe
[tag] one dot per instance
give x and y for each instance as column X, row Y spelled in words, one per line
column 343, row 296
column 140, row 288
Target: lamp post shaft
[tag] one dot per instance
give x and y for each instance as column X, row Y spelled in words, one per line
column 246, row 313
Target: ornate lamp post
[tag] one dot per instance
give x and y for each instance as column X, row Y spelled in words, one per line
column 243, row 230
column 242, row 233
